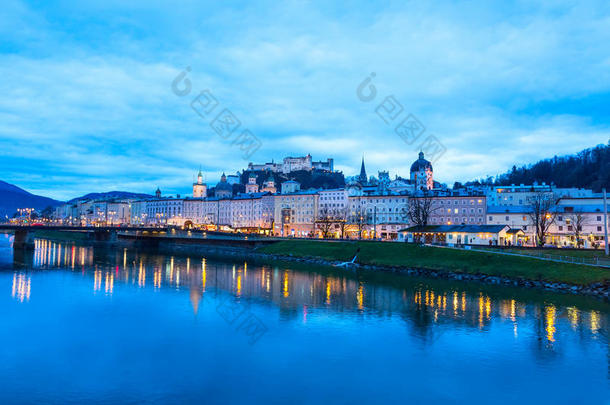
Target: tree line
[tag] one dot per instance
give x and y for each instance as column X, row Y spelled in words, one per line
column 589, row 168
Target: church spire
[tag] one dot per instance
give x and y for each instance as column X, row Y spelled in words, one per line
column 362, row 176
column 199, row 177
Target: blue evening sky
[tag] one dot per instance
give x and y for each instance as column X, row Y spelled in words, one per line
column 86, row 102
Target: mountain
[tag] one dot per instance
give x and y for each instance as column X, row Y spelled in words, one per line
column 13, row 197
column 110, row 195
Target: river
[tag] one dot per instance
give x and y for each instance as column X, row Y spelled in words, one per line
column 85, row 325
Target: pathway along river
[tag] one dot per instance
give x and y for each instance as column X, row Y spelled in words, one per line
column 84, row 325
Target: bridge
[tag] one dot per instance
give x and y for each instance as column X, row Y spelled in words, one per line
column 137, row 236
column 25, row 235
column 12, row 227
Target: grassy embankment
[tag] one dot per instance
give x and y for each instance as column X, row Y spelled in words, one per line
column 589, row 254
column 459, row 261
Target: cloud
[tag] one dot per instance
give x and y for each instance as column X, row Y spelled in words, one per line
column 86, row 104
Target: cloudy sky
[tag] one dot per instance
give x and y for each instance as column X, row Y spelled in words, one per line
column 86, row 100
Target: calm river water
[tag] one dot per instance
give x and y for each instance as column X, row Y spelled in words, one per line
column 83, row 325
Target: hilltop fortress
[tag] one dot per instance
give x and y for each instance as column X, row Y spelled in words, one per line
column 293, row 164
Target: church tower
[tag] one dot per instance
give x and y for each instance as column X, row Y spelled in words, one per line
column 200, row 189
column 252, row 186
column 362, row 177
column 421, row 174
column 269, row 185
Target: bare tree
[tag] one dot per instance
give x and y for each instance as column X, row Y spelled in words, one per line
column 419, row 209
column 341, row 220
column 324, row 221
column 542, row 212
column 577, row 221
column 360, row 217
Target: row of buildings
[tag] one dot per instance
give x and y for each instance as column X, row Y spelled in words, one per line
column 364, row 208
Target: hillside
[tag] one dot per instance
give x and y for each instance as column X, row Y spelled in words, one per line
column 589, row 168
column 307, row 179
column 110, row 195
column 13, row 197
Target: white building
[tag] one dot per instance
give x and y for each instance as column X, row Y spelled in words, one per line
column 94, row 213
column 202, row 212
column 514, row 195
column 462, row 235
column 138, row 213
column 569, row 212
column 334, row 202
column 376, row 216
column 400, row 186
column 117, row 213
column 585, row 213
column 162, row 211
column 290, row 186
column 66, row 214
column 295, row 213
column 252, row 211
column 519, row 195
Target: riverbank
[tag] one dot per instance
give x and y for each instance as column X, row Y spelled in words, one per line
column 449, row 264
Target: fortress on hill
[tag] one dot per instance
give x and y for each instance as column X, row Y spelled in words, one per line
column 293, row 164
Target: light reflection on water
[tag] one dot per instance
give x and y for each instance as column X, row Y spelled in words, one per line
column 429, row 311
column 21, row 287
column 297, row 289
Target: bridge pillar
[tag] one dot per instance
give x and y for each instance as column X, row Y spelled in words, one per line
column 106, row 237
column 23, row 258
column 23, row 239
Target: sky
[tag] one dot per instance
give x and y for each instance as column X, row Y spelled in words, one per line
column 87, row 102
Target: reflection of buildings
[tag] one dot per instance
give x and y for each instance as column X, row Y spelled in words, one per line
column 300, row 294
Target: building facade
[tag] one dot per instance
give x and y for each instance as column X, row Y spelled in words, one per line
column 458, row 210
column 576, row 222
column 295, row 213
